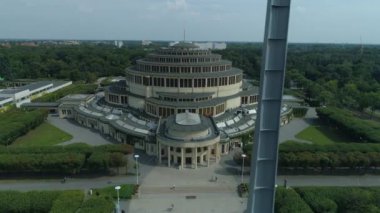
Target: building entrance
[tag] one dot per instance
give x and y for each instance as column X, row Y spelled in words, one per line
column 188, row 161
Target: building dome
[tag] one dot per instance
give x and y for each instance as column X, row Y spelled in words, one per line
column 187, row 119
column 184, row 45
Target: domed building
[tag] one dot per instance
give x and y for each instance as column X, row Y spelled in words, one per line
column 181, row 104
column 173, row 80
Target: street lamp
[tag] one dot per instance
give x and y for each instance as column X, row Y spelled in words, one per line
column 242, row 168
column 137, row 168
column 117, row 188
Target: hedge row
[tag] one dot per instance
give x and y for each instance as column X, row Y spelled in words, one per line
column 344, row 156
column 27, row 202
column 341, row 199
column 68, row 202
column 97, row 205
column 60, row 163
column 323, row 160
column 335, row 147
column 299, row 111
column 73, row 148
column 126, row 191
column 345, row 121
column 17, row 122
column 289, row 201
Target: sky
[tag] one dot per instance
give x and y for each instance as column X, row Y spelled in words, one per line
column 311, row 21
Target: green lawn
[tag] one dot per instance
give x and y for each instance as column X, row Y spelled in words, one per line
column 322, row 135
column 44, row 135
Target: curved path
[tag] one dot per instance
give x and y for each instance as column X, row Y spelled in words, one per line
column 290, row 130
column 79, row 133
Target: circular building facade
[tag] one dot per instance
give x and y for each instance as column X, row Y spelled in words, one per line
column 183, row 77
column 188, row 140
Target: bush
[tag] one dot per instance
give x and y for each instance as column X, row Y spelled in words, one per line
column 68, row 202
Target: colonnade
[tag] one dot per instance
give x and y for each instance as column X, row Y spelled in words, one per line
column 183, row 156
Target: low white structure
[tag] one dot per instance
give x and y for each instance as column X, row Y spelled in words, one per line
column 25, row 94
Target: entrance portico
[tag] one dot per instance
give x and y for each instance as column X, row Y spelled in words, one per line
column 188, row 140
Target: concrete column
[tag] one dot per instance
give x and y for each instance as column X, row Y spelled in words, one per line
column 182, row 158
column 201, row 156
column 168, row 156
column 217, row 152
column 159, row 154
column 208, row 155
column 196, row 156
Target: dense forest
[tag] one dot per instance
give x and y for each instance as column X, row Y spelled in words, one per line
column 334, row 75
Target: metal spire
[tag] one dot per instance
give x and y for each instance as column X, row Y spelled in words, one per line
column 265, row 150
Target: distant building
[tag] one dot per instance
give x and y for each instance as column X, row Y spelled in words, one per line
column 119, row 44
column 145, row 43
column 212, row 45
column 24, row 94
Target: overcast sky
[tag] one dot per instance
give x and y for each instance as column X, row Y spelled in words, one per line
column 332, row 21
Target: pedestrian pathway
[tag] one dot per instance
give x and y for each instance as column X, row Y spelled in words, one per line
column 79, row 133
column 290, row 130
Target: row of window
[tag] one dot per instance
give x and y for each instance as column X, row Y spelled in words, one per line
column 184, row 82
column 115, row 99
column 249, row 99
column 187, row 150
column 187, row 52
column 213, row 58
column 181, row 69
column 185, row 99
column 167, row 111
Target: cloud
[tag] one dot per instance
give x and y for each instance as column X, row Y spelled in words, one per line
column 177, row 4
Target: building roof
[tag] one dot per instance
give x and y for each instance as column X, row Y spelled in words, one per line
column 36, row 85
column 185, row 45
column 188, row 119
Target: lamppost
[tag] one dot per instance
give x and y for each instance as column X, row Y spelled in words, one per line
column 137, row 168
column 117, row 188
column 242, row 168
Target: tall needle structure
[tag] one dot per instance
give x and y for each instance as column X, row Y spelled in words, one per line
column 265, row 151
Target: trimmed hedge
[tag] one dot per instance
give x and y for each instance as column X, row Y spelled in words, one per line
column 340, row 199
column 126, row 191
column 68, row 163
column 344, row 120
column 299, row 111
column 97, row 205
column 62, row 160
column 17, row 122
column 33, row 201
column 343, row 156
column 68, row 202
column 289, row 201
column 73, row 148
